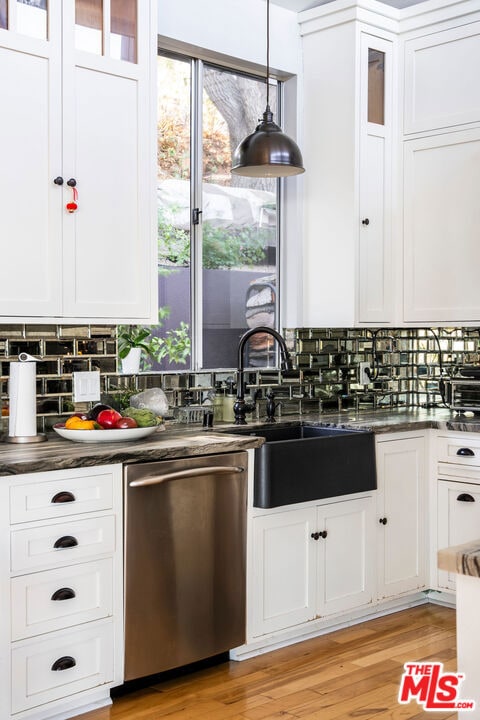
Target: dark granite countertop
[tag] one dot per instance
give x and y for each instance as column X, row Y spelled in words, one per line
column 58, row 453
column 187, row 441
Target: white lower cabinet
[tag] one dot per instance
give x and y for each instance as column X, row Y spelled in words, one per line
column 61, row 564
column 317, row 565
column 401, row 514
column 311, row 562
column 455, row 487
column 458, row 520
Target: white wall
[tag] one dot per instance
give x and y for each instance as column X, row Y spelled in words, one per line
column 235, row 28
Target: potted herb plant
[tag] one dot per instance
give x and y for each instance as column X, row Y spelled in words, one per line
column 132, row 339
column 173, row 345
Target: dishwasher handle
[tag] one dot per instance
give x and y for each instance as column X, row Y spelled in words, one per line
column 193, row 472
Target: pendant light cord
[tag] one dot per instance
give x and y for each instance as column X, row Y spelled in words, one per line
column 268, row 53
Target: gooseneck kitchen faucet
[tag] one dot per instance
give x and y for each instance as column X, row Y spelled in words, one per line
column 241, row 408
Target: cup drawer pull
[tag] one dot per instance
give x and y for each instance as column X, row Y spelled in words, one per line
column 64, row 663
column 63, row 594
column 67, row 541
column 63, row 497
column 465, row 497
column 465, row 452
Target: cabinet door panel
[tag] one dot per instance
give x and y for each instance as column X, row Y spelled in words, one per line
column 402, row 537
column 458, row 521
column 345, row 576
column 283, row 570
column 108, row 264
column 373, row 268
column 454, row 56
column 375, row 203
column 30, row 151
column 441, row 221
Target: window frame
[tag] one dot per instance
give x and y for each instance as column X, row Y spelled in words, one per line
column 197, row 65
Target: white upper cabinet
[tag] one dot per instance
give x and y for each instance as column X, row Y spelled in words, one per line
column 348, row 95
column 375, row 290
column 442, row 228
column 441, row 79
column 393, row 148
column 441, row 172
column 30, row 149
column 78, row 148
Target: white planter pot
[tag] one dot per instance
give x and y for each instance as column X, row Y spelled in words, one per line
column 131, row 363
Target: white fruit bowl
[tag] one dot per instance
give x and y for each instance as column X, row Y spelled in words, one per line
column 99, row 436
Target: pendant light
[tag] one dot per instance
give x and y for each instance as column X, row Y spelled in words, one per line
column 267, row 152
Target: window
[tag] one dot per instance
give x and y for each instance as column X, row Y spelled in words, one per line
column 217, row 233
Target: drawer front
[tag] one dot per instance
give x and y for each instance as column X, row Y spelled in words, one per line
column 61, row 543
column 85, row 655
column 56, row 599
column 69, row 494
column 462, row 451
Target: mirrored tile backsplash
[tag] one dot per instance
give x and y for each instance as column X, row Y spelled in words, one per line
column 403, row 368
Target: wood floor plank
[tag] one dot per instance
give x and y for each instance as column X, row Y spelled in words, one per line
column 346, row 675
column 370, row 703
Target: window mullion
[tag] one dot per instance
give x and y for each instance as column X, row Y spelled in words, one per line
column 196, row 203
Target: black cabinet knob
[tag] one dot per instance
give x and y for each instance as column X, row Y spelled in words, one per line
column 465, row 452
column 465, row 497
column 365, row 221
column 58, row 180
column 66, row 541
column 64, row 663
column 72, row 182
column 383, row 521
column 63, row 497
column 318, row 535
column 63, row 594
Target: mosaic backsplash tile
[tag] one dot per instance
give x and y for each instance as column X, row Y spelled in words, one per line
column 405, row 366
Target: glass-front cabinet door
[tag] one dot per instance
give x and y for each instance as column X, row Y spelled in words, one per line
column 31, row 153
column 107, row 28
column 108, row 149
column 77, row 145
column 26, row 17
column 375, row 301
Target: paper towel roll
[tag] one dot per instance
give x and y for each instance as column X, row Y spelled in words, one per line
column 22, row 420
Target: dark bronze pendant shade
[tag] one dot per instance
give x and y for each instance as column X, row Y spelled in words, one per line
column 267, row 152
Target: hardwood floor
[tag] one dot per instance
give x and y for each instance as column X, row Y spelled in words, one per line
column 352, row 673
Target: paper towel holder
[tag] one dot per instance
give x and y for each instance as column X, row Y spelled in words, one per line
column 39, row 437
column 24, row 439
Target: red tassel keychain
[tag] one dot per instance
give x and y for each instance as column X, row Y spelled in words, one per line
column 72, row 206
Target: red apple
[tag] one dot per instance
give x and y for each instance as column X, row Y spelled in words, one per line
column 108, row 418
column 124, row 423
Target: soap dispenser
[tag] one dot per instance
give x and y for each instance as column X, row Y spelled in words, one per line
column 229, row 401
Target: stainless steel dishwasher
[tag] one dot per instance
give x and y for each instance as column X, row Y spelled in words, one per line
column 185, row 556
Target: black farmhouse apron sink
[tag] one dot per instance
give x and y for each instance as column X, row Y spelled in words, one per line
column 300, row 463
